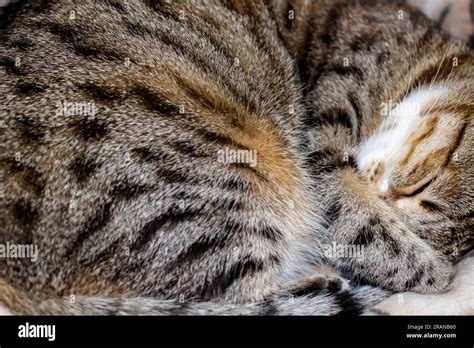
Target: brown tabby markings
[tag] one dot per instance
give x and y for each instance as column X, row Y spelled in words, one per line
column 418, row 139
column 222, row 232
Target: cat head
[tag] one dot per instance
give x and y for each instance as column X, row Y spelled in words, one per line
column 421, row 161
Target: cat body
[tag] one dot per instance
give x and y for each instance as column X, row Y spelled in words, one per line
column 129, row 132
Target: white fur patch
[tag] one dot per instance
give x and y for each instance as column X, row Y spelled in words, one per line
column 4, row 310
column 387, row 143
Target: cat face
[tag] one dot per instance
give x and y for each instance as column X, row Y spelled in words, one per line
column 420, row 161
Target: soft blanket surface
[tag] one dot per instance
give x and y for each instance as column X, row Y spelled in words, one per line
column 457, row 299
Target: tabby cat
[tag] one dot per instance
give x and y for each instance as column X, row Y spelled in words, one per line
column 123, row 123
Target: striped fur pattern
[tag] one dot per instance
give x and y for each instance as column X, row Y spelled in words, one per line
column 114, row 117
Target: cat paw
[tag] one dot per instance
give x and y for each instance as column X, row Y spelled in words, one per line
column 325, row 278
column 433, row 275
column 405, row 262
column 456, row 299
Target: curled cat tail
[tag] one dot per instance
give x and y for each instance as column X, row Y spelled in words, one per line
column 352, row 301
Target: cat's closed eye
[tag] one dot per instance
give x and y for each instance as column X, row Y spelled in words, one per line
column 412, row 190
column 409, row 195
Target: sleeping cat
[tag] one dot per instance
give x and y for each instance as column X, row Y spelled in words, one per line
column 199, row 158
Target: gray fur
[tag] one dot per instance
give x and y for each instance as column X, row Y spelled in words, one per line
column 130, row 207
